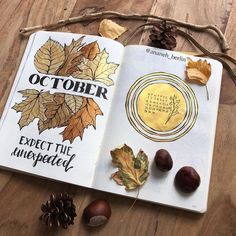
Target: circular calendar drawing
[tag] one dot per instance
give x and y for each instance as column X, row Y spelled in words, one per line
column 161, row 107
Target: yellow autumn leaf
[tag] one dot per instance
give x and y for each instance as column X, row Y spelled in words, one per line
column 198, row 71
column 110, row 29
column 49, row 57
column 33, row 106
column 98, row 69
column 73, row 102
column 132, row 171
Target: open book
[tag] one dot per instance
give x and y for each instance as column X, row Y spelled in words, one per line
column 77, row 97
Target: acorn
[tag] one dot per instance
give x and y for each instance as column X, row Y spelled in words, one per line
column 187, row 179
column 163, row 160
column 97, row 213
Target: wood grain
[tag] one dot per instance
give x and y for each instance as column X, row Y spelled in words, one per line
column 21, row 195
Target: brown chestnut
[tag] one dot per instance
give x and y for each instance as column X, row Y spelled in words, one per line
column 97, row 213
column 187, row 179
column 163, row 160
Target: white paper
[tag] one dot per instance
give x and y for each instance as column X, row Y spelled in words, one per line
column 193, row 149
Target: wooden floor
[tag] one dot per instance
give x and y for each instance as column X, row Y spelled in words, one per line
column 21, row 195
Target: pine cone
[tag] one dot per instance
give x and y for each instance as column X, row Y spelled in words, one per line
column 163, row 35
column 58, row 211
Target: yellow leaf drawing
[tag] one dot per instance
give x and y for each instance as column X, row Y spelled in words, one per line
column 82, row 119
column 33, row 106
column 73, row 102
column 57, row 113
column 73, row 57
column 49, row 57
column 198, row 71
column 98, row 69
column 132, row 171
column 110, row 29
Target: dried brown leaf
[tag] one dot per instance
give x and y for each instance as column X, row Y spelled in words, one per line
column 110, row 29
column 198, row 71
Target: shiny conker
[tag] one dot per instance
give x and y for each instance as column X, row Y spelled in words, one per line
column 187, row 179
column 97, row 213
column 163, row 160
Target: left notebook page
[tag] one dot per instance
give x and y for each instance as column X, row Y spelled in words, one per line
column 55, row 117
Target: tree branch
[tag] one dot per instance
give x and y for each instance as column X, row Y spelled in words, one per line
column 141, row 17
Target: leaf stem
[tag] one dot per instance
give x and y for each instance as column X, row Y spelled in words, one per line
column 130, row 208
column 207, row 92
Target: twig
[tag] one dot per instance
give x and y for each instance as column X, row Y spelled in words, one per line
column 219, row 54
column 113, row 14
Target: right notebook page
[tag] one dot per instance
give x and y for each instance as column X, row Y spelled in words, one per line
column 154, row 108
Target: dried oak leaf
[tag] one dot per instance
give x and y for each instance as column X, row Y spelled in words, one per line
column 49, row 57
column 198, row 71
column 110, row 29
column 82, row 119
column 132, row 171
column 33, row 106
column 57, row 113
column 98, row 69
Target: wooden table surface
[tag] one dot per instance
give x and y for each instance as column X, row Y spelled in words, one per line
column 21, row 195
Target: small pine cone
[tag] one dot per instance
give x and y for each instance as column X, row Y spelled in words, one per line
column 58, row 211
column 164, row 36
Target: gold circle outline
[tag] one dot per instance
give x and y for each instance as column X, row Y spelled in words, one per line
column 174, row 79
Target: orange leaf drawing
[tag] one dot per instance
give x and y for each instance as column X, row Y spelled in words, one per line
column 90, row 50
column 82, row 119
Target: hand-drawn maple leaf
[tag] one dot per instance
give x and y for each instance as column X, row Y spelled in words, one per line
column 132, row 171
column 82, row 119
column 198, row 71
column 33, row 106
column 57, row 113
column 98, row 69
column 49, row 57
